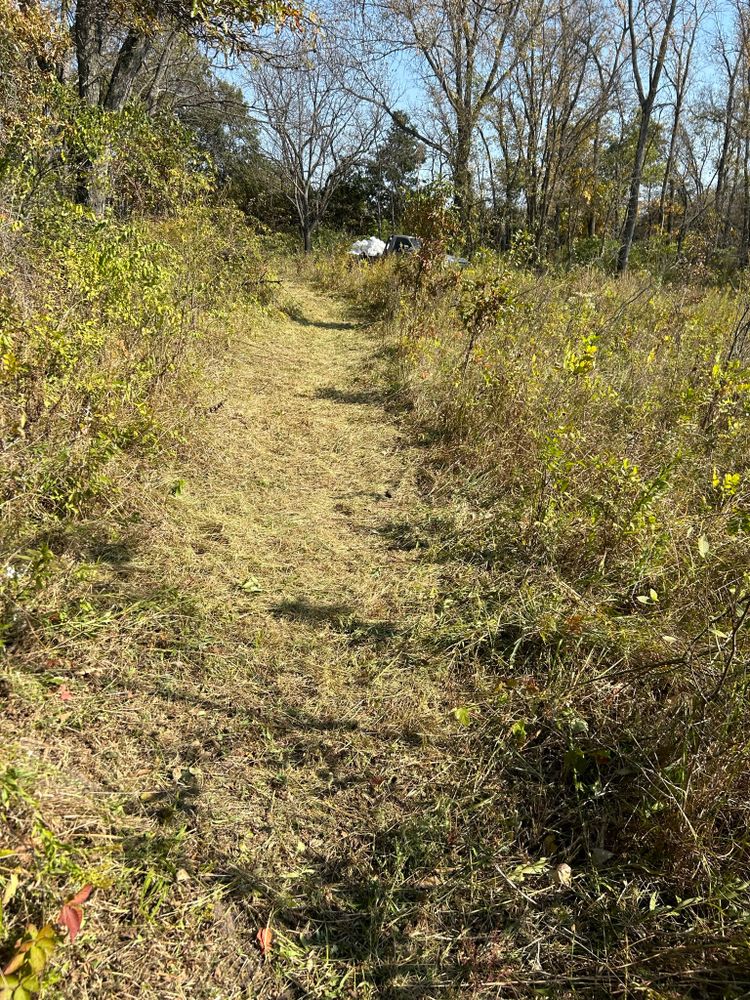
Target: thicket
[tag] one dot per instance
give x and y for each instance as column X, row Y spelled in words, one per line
column 100, row 313
column 587, row 469
column 100, row 329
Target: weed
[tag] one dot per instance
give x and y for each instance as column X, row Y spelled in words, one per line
column 586, row 467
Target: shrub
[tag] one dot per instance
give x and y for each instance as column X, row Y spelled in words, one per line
column 98, row 320
column 370, row 283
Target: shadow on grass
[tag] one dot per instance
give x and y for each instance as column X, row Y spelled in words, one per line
column 302, row 610
column 362, row 397
column 354, row 912
column 114, row 552
column 298, row 316
column 404, row 536
column 341, row 617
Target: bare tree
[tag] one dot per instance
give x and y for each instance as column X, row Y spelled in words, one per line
column 554, row 102
column 316, row 129
column 461, row 51
column 677, row 70
column 730, row 62
column 649, row 25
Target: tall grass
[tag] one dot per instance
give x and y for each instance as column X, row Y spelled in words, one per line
column 589, row 441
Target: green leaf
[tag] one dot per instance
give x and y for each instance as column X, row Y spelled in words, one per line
column 37, row 958
column 703, row 546
column 574, row 761
column 653, row 595
column 532, row 868
column 251, row 586
column 518, row 730
column 10, row 889
column 462, row 715
column 642, row 599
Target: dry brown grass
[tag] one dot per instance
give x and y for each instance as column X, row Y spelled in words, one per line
column 250, row 712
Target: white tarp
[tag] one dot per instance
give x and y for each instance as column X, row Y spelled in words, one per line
column 372, row 247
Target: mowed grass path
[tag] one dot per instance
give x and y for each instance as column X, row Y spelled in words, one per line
column 254, row 737
column 236, row 714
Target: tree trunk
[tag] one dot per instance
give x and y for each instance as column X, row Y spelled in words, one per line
column 379, row 212
column 646, row 100
column 670, row 213
column 722, row 168
column 153, row 94
column 87, row 50
column 591, row 221
column 462, row 175
column 85, row 33
column 684, row 225
column 493, row 189
column 631, row 215
column 130, row 59
column 744, row 255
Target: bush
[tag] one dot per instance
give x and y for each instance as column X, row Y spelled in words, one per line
column 99, row 325
column 370, row 283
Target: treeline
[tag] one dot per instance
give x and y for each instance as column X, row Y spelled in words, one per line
column 589, row 127
column 119, row 108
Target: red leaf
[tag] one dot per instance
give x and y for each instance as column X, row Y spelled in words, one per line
column 81, row 896
column 64, row 693
column 72, row 918
column 264, row 938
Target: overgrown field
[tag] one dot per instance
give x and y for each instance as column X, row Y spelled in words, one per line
column 586, row 444
column 478, row 735
column 106, row 328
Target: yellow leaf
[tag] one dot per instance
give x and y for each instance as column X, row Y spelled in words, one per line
column 10, row 889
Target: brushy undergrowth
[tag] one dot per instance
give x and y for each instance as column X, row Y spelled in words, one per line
column 101, row 326
column 105, row 327
column 587, row 444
